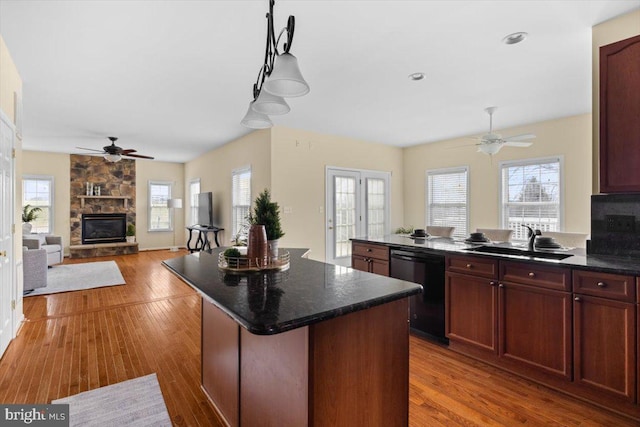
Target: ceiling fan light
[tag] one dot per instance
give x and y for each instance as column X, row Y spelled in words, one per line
column 490, row 148
column 286, row 79
column 270, row 104
column 255, row 120
column 113, row 158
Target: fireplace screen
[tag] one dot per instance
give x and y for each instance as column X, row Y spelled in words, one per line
column 103, row 228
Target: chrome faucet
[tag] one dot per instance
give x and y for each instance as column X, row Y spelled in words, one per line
column 532, row 236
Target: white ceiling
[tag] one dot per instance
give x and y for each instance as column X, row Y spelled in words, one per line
column 173, row 79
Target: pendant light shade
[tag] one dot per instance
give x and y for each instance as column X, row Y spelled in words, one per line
column 270, row 104
column 286, row 79
column 255, row 120
column 113, row 158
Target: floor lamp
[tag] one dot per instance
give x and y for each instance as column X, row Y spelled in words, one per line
column 174, row 204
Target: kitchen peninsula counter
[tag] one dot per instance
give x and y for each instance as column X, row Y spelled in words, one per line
column 316, row 344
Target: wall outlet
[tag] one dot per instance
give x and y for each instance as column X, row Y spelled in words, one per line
column 621, row 223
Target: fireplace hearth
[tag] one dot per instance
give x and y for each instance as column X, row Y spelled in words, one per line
column 103, row 228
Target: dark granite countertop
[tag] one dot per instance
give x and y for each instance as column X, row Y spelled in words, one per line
column 274, row 302
column 578, row 259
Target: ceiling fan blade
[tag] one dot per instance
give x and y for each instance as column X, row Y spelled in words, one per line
column 140, row 156
column 518, row 144
column 524, row 136
column 90, row 149
column 130, row 150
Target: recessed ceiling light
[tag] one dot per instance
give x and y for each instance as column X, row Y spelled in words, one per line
column 514, row 38
column 416, row 76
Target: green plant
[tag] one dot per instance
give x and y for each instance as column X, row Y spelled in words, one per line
column 30, row 213
column 232, row 256
column 267, row 213
column 131, row 230
column 403, row 230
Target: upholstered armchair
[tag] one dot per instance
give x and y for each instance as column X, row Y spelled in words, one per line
column 52, row 244
column 34, row 268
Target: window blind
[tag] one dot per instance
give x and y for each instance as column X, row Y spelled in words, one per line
column 241, row 199
column 447, row 199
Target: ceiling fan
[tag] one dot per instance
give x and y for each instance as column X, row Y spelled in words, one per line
column 491, row 143
column 113, row 153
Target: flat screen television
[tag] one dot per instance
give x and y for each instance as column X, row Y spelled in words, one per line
column 205, row 209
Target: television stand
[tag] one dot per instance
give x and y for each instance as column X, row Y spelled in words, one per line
column 202, row 243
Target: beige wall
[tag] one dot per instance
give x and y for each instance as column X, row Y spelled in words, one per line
column 214, row 170
column 58, row 166
column 152, row 170
column 620, row 28
column 299, row 161
column 568, row 137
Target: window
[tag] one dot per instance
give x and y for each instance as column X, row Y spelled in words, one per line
column 37, row 191
column 531, row 195
column 376, row 207
column 194, row 190
column 448, row 199
column 159, row 215
column 241, row 199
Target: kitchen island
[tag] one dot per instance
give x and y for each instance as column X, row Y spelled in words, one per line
column 316, row 344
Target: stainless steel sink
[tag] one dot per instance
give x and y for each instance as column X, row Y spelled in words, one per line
column 500, row 250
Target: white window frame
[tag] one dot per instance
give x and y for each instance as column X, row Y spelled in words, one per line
column 51, row 206
column 168, row 184
column 447, row 171
column 533, row 161
column 235, row 227
column 193, row 198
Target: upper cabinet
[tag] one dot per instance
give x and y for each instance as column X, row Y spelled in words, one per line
column 620, row 116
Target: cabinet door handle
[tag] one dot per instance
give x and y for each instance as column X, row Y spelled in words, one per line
column 500, row 285
column 368, row 249
column 602, row 285
column 469, row 265
column 577, row 299
column 532, row 274
column 492, row 283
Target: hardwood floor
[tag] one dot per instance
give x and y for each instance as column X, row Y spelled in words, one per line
column 82, row 340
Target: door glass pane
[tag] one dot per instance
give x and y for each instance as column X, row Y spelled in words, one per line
column 375, row 207
column 345, row 215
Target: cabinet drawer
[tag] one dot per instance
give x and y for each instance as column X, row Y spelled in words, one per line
column 536, row 275
column 605, row 285
column 371, row 251
column 476, row 266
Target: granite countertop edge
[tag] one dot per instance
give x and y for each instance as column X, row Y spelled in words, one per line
column 579, row 259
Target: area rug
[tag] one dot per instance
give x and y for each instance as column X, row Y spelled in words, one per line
column 136, row 402
column 75, row 277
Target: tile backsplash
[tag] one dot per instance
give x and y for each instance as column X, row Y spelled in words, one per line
column 615, row 225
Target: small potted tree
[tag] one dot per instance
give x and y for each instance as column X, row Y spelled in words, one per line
column 267, row 213
column 29, row 213
column 131, row 233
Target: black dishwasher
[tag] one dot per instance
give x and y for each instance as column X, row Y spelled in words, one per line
column 427, row 269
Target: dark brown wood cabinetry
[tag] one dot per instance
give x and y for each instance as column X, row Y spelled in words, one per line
column 471, row 302
column 534, row 322
column 619, row 112
column 371, row 258
column 605, row 334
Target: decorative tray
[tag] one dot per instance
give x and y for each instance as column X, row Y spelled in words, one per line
column 243, row 264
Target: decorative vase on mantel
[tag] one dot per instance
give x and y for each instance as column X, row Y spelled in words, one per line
column 257, row 250
column 26, row 227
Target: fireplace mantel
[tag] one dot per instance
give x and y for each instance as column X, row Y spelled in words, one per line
column 124, row 198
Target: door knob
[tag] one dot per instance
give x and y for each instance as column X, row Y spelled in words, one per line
column 3, row 253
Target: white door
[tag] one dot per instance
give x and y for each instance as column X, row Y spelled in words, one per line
column 7, row 286
column 357, row 205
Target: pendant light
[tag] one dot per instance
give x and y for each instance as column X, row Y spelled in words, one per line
column 279, row 76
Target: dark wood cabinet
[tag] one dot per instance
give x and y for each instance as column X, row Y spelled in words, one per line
column 605, row 334
column 619, row 112
column 371, row 258
column 471, row 312
column 535, row 328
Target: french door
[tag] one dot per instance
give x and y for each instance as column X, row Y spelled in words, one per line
column 7, row 285
column 357, row 204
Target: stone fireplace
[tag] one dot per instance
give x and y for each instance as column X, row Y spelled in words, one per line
column 103, row 228
column 114, row 205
